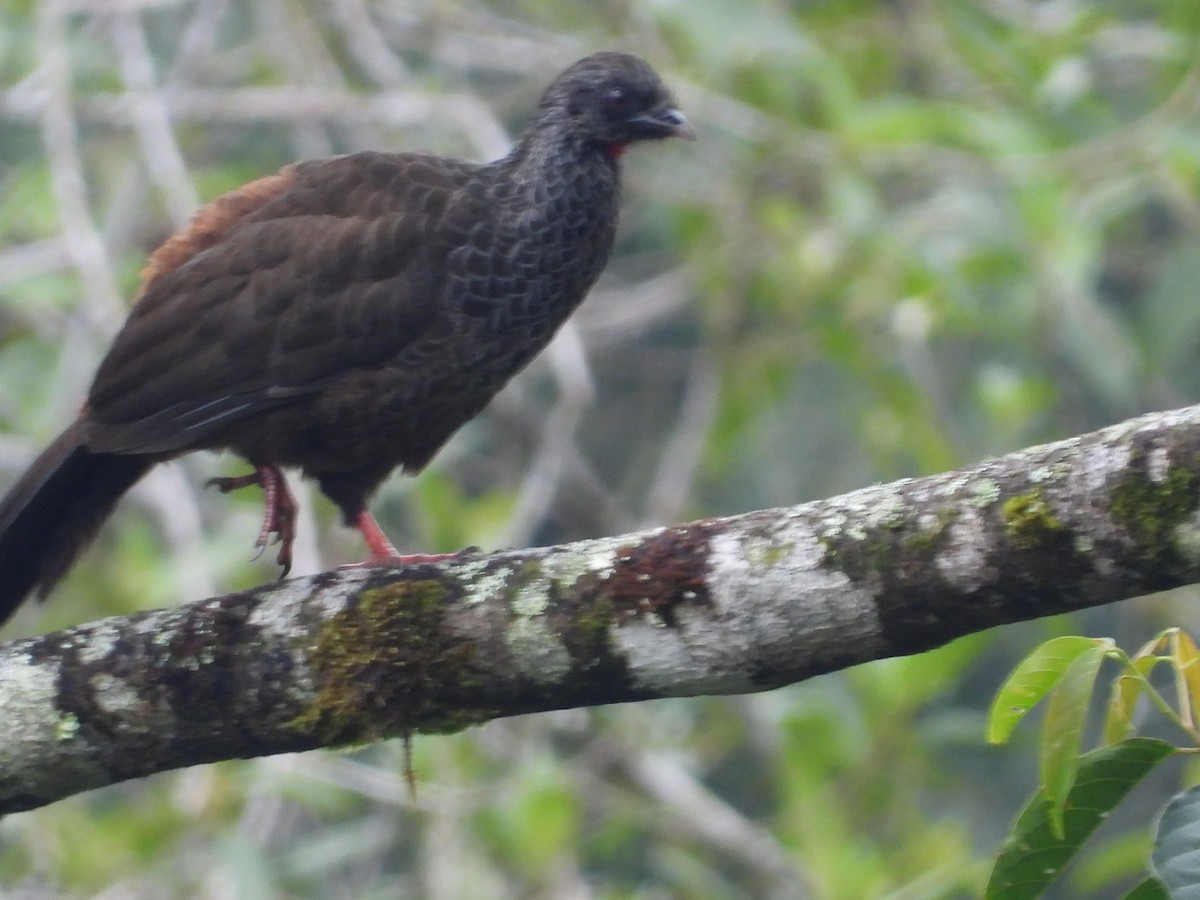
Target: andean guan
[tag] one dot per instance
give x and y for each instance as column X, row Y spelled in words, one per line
column 344, row 316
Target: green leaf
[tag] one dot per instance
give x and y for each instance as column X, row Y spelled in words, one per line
column 1186, row 656
column 1150, row 889
column 1066, row 714
column 1176, row 855
column 1033, row 856
column 1126, row 690
column 1032, row 679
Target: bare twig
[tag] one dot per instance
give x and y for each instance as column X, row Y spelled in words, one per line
column 57, row 119
column 556, row 438
column 680, row 458
column 160, row 151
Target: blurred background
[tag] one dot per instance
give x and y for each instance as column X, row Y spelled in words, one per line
column 914, row 234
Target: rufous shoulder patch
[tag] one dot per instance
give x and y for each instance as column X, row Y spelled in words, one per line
column 211, row 222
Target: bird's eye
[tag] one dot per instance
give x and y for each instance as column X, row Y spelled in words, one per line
column 616, row 99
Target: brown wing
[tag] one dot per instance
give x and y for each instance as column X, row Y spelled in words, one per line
column 273, row 290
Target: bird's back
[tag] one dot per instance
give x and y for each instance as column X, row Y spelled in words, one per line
column 371, row 302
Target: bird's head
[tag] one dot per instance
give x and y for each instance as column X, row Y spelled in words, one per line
column 613, row 100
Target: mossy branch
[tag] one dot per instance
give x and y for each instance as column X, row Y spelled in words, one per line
column 730, row 605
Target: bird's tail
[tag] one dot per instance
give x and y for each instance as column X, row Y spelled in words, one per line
column 54, row 510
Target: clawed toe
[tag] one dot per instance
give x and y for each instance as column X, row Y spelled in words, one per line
column 279, row 515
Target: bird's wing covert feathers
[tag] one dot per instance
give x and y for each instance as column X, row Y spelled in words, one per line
column 272, row 290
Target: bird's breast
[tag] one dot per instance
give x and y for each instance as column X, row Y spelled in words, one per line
column 521, row 274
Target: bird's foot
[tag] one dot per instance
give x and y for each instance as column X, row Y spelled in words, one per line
column 383, row 553
column 279, row 516
column 413, row 559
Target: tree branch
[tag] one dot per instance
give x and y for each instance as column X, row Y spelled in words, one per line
column 732, row 605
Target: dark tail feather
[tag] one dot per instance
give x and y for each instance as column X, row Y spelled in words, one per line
column 54, row 510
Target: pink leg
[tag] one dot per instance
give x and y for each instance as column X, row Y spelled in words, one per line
column 279, row 517
column 382, row 551
column 381, row 548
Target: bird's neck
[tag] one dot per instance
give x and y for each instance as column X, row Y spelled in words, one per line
column 553, row 170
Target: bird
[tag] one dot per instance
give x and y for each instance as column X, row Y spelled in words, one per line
column 344, row 317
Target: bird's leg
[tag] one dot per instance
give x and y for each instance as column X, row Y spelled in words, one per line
column 279, row 517
column 382, row 551
column 377, row 542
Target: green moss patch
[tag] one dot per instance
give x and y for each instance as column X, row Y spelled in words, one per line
column 1151, row 511
column 903, row 546
column 386, row 666
column 1029, row 522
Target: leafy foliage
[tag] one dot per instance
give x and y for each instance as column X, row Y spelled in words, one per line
column 1078, row 791
column 1176, row 855
column 1043, row 839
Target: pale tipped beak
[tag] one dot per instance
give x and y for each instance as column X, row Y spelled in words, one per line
column 663, row 123
column 677, row 125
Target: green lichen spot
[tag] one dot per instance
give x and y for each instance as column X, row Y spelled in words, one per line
column 776, row 553
column 66, row 728
column 386, row 666
column 1029, row 521
column 928, row 536
column 531, row 599
column 890, row 548
column 984, row 493
column 1152, row 511
column 761, row 552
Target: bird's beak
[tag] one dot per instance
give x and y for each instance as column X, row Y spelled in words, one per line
column 665, row 123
